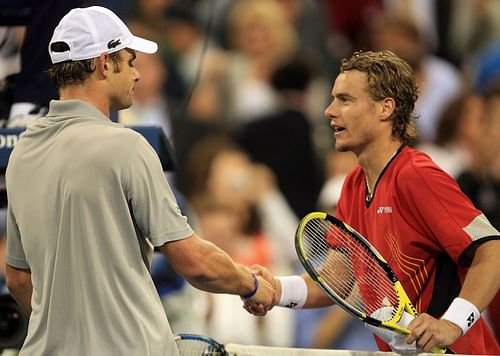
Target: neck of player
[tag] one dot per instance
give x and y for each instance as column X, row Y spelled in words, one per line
column 374, row 159
column 89, row 93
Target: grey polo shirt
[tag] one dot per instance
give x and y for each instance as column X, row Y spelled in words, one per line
column 87, row 201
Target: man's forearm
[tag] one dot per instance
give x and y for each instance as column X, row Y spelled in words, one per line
column 316, row 297
column 23, row 298
column 482, row 281
column 221, row 274
column 207, row 267
column 20, row 287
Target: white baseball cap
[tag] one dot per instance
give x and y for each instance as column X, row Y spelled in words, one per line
column 88, row 32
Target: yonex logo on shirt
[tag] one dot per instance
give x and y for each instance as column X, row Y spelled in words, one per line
column 384, row 210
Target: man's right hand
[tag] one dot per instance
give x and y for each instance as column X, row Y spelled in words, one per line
column 265, row 277
column 262, row 300
column 268, row 276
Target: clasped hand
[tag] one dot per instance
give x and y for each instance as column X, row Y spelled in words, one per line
column 268, row 294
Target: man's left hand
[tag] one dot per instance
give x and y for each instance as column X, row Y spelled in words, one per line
column 429, row 332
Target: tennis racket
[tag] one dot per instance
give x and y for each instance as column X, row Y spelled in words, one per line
column 352, row 272
column 198, row 345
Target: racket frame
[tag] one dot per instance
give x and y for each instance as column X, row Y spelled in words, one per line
column 219, row 348
column 404, row 303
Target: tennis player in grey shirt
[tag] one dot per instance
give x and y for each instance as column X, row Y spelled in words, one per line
column 88, row 201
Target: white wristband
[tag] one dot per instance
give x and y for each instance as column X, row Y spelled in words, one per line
column 463, row 313
column 293, row 292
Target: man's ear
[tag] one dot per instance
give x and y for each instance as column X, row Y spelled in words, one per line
column 102, row 65
column 387, row 108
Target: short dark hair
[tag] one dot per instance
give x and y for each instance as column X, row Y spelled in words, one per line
column 389, row 76
column 76, row 72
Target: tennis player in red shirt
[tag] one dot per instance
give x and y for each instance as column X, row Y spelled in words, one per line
column 443, row 250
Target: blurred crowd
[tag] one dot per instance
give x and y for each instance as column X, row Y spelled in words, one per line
column 239, row 88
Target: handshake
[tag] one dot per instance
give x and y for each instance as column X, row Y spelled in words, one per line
column 289, row 292
column 267, row 294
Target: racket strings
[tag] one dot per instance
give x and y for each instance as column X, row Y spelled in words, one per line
column 349, row 268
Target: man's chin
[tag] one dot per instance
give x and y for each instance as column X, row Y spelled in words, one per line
column 341, row 148
column 121, row 106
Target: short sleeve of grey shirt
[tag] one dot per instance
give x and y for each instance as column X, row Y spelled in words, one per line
column 153, row 204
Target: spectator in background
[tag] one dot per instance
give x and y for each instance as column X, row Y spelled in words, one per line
column 473, row 27
column 187, row 41
column 458, row 133
column 10, row 63
column 481, row 182
column 249, row 190
column 484, row 68
column 148, row 19
column 438, row 81
column 309, row 21
column 246, row 242
column 192, row 52
column 347, row 21
column 260, row 39
column 293, row 161
column 423, row 14
column 161, row 97
column 236, row 205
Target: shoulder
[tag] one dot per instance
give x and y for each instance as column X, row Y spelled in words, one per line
column 117, row 135
column 416, row 165
column 119, row 145
column 416, row 173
